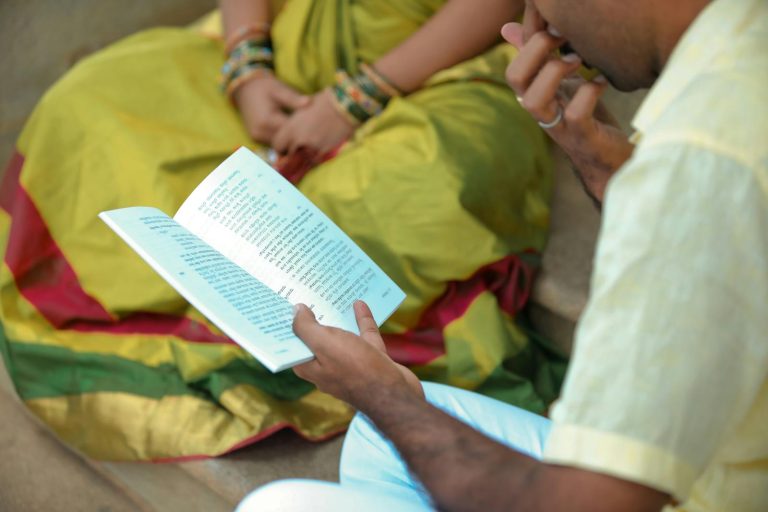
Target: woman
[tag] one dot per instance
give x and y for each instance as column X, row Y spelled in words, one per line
column 438, row 175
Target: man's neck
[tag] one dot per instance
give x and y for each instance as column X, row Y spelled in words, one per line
column 672, row 21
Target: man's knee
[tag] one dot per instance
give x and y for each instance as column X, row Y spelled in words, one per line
column 284, row 495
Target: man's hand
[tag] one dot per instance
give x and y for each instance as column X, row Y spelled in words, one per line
column 318, row 128
column 355, row 369
column 264, row 104
column 549, row 88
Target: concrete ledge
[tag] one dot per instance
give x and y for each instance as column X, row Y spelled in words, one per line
column 284, row 455
column 37, row 472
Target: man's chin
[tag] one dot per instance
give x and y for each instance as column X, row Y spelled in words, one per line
column 625, row 84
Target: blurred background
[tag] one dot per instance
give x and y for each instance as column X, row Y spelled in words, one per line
column 41, row 39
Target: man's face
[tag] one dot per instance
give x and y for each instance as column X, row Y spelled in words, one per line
column 612, row 35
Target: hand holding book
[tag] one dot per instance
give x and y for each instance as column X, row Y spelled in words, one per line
column 245, row 246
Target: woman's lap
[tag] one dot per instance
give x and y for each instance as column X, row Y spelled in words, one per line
column 441, row 184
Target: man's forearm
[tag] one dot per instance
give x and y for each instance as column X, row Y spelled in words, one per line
column 461, row 468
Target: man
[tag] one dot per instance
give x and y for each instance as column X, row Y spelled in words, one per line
column 666, row 400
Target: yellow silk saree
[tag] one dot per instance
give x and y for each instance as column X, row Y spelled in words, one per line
column 447, row 191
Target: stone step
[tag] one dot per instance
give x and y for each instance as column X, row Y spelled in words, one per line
column 37, row 472
column 562, row 287
column 220, row 483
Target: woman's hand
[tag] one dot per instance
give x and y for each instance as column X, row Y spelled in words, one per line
column 317, row 127
column 549, row 89
column 265, row 104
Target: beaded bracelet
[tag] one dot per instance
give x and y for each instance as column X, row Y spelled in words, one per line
column 249, row 59
column 249, row 55
column 380, row 81
column 243, row 75
column 360, row 98
column 341, row 102
column 350, row 88
column 252, row 31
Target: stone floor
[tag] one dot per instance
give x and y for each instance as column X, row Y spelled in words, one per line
column 40, row 41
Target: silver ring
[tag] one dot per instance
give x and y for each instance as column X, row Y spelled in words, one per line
column 555, row 121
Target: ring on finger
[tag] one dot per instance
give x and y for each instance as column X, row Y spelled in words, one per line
column 555, row 121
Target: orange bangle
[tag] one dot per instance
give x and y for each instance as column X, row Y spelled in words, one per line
column 252, row 74
column 253, row 30
column 342, row 110
column 380, row 81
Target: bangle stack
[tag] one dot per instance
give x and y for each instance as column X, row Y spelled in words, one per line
column 250, row 56
column 364, row 96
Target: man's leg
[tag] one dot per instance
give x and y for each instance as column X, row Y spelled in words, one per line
column 373, row 476
column 303, row 495
column 369, row 462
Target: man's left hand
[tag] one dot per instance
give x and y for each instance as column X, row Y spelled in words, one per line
column 355, row 369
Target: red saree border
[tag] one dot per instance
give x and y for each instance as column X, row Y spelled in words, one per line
column 509, row 279
column 267, row 432
column 46, row 279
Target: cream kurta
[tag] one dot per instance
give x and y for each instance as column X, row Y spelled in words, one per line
column 668, row 382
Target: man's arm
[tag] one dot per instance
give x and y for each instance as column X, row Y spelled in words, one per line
column 549, row 89
column 460, row 467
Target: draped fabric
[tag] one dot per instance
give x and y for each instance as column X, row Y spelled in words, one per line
column 447, row 191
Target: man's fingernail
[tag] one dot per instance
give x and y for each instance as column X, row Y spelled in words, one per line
column 296, row 309
column 571, row 58
column 600, row 79
column 553, row 31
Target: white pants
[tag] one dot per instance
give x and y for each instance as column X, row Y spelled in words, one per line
column 375, row 478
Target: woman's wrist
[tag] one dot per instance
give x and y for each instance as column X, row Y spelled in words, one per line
column 251, row 58
column 362, row 97
column 257, row 31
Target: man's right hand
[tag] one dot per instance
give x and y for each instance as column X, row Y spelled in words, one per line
column 548, row 88
column 265, row 104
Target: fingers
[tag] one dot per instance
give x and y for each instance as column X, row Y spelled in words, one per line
column 369, row 331
column 283, row 139
column 276, row 121
column 536, row 53
column 308, row 370
column 306, row 327
column 540, row 99
column 513, row 34
column 291, row 137
column 288, row 98
column 295, row 145
column 532, row 21
column 582, row 107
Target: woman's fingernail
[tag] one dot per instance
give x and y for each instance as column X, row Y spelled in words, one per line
column 553, row 31
column 296, row 309
column 571, row 58
column 600, row 79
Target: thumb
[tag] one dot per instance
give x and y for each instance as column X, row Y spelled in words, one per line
column 513, row 34
column 369, row 331
column 289, row 98
column 305, row 325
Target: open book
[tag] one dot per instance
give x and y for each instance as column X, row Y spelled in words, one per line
column 245, row 246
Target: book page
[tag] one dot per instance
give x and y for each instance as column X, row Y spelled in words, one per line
column 256, row 218
column 246, row 310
